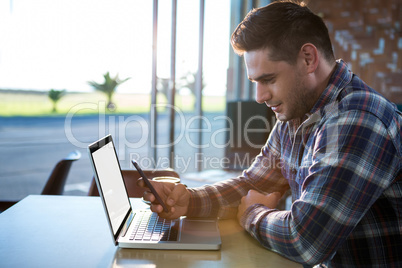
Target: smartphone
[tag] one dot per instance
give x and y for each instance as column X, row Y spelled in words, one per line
column 149, row 185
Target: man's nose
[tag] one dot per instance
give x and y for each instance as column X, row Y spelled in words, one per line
column 262, row 93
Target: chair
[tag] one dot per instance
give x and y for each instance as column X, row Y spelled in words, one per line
column 57, row 179
column 130, row 179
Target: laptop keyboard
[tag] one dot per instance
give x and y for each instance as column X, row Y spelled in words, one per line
column 149, row 227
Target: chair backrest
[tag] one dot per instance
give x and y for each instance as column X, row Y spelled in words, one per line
column 130, row 179
column 58, row 177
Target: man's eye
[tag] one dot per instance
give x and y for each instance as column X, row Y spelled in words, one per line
column 266, row 81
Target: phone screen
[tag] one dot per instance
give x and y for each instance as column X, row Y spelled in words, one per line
column 149, row 185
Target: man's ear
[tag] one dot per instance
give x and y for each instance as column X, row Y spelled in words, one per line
column 309, row 55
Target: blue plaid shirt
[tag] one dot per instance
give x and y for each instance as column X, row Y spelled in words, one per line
column 342, row 162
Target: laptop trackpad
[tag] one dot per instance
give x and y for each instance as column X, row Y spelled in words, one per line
column 200, row 231
column 199, row 226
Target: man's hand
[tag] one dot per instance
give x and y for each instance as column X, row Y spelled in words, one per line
column 175, row 196
column 254, row 197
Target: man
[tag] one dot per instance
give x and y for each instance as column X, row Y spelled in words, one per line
column 336, row 145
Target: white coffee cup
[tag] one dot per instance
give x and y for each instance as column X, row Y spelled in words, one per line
column 167, row 179
column 163, row 179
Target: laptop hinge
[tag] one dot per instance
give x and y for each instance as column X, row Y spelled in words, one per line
column 127, row 224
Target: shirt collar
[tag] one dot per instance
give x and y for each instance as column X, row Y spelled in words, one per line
column 339, row 79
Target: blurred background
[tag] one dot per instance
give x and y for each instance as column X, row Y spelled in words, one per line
column 159, row 76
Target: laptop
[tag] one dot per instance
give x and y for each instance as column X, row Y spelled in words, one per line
column 140, row 228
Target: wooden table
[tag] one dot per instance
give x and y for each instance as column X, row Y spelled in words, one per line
column 71, row 231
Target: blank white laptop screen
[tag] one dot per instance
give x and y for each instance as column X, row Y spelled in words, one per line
column 114, row 190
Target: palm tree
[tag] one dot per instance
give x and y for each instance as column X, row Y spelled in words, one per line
column 163, row 86
column 189, row 81
column 108, row 87
column 55, row 96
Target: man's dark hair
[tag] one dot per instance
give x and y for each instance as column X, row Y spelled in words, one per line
column 283, row 27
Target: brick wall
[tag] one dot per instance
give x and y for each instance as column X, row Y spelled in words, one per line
column 367, row 35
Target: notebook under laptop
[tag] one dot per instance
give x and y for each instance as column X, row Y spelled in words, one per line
column 185, row 233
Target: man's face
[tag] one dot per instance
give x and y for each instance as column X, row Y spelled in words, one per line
column 281, row 86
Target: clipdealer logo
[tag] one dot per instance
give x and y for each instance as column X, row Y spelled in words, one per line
column 132, row 137
column 187, row 126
